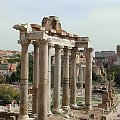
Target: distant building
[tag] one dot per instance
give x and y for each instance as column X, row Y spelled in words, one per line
column 109, row 57
column 118, row 55
column 104, row 54
column 118, row 51
column 7, row 68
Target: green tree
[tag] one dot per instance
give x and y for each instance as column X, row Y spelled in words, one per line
column 7, row 94
column 96, row 78
column 30, row 68
column 14, row 77
column 114, row 71
column 2, row 79
column 7, row 79
column 12, row 60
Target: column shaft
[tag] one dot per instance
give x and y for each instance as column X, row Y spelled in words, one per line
column 73, row 78
column 49, row 80
column 81, row 76
column 24, row 83
column 57, row 78
column 88, row 80
column 65, row 99
column 35, row 78
column 84, row 74
column 43, row 78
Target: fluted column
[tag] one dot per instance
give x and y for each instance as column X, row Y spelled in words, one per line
column 23, row 115
column 35, row 78
column 43, row 78
column 73, row 78
column 88, row 80
column 65, row 98
column 57, row 79
column 49, row 81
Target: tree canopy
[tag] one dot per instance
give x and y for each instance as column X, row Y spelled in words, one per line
column 7, row 94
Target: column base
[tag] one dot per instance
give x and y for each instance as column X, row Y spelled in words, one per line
column 67, row 108
column 49, row 113
column 58, row 111
column 25, row 117
column 88, row 107
column 34, row 115
column 73, row 106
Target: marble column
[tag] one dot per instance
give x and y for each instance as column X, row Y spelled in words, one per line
column 49, row 82
column 81, row 76
column 65, row 98
column 57, row 79
column 43, row 78
column 35, row 78
column 88, row 80
column 23, row 114
column 84, row 74
column 73, row 78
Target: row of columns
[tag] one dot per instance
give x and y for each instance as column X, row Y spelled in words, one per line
column 42, row 79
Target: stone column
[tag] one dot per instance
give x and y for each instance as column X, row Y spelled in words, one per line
column 88, row 80
column 73, row 78
column 35, row 78
column 57, row 79
column 23, row 115
column 49, row 81
column 43, row 78
column 81, row 76
column 65, row 98
column 84, row 74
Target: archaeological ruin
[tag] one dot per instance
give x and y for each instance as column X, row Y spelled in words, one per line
column 45, row 37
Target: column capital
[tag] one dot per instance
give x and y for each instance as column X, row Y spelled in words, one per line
column 74, row 48
column 89, row 49
column 58, row 46
column 43, row 41
column 24, row 42
column 66, row 48
column 35, row 43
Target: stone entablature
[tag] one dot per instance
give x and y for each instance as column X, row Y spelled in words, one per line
column 82, row 42
column 41, row 35
column 52, row 32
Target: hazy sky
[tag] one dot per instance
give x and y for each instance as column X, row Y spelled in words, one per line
column 97, row 19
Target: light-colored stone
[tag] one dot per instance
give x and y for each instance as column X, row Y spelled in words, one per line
column 73, row 78
column 65, row 98
column 88, row 80
column 57, row 79
column 49, row 82
column 35, row 78
column 43, row 78
column 24, row 83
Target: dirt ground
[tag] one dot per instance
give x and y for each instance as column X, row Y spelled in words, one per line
column 71, row 115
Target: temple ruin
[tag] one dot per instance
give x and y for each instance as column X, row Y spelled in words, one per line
column 45, row 37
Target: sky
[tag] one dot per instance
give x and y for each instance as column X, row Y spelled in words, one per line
column 97, row 19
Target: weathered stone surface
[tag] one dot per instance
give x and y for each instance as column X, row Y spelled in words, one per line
column 88, row 80
column 52, row 22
